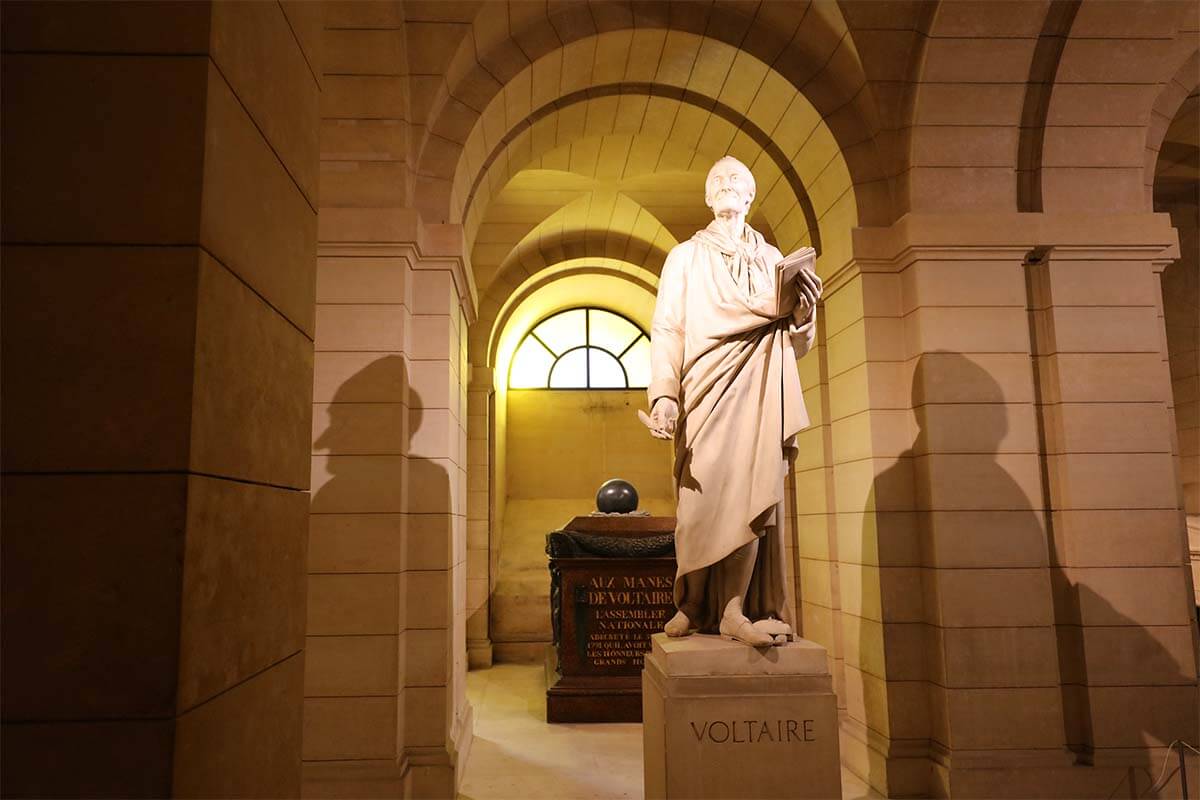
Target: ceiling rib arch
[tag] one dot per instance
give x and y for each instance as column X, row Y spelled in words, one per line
column 710, row 71
column 1171, row 163
column 644, row 245
column 807, row 45
column 757, row 135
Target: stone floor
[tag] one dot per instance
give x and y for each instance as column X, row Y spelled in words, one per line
column 516, row 754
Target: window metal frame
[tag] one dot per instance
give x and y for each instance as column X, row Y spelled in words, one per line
column 587, row 345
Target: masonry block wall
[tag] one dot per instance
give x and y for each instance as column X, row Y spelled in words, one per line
column 385, row 703
column 816, row 584
column 159, row 258
column 1024, row 574
column 1181, row 322
column 873, row 553
column 1126, row 626
column 385, row 688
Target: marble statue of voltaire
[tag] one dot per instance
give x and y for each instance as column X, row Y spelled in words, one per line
column 725, row 385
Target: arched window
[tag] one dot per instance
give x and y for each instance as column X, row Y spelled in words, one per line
column 584, row 348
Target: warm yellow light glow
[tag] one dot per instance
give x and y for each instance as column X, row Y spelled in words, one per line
column 584, row 348
column 571, row 371
column 568, row 291
column 563, row 331
column 637, row 363
column 603, row 370
column 530, row 365
column 611, row 332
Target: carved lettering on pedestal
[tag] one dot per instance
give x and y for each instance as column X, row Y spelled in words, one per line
column 754, row 731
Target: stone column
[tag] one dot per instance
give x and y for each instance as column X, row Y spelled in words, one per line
column 159, row 253
column 437, row 721
column 995, row 704
column 816, row 570
column 480, row 395
column 387, row 710
column 361, row 549
column 359, row 557
column 386, row 707
column 872, row 540
column 1180, row 279
column 1126, row 623
column 1041, row 513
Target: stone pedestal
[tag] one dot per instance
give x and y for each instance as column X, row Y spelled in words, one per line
column 723, row 720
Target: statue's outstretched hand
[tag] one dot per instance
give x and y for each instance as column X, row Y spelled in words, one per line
column 663, row 418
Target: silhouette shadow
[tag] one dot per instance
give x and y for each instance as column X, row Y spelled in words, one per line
column 373, row 441
column 948, row 502
column 383, row 508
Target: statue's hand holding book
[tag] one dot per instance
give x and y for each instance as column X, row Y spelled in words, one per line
column 797, row 270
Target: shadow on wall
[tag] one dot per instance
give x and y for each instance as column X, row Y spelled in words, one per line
column 380, row 512
column 962, row 420
column 373, row 420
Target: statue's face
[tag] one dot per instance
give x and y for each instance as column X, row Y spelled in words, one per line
column 729, row 188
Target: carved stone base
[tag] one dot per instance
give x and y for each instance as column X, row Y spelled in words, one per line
column 723, row 720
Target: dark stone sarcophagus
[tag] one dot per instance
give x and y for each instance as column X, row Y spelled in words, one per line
column 611, row 587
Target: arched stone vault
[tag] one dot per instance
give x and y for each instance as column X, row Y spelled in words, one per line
column 599, row 224
column 1170, row 165
column 952, row 110
column 1100, row 121
column 698, row 100
column 624, row 108
column 807, row 47
column 772, row 127
column 666, row 137
column 975, row 656
column 584, row 228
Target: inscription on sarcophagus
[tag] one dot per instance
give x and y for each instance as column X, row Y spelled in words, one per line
column 611, row 589
column 614, row 616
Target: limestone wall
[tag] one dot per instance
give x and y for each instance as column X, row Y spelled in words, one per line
column 160, row 232
column 385, row 708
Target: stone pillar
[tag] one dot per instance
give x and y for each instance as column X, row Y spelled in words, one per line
column 1041, row 518
column 1180, row 280
column 995, row 705
column 874, row 544
column 362, row 546
column 437, row 723
column 479, row 512
column 159, row 251
column 1126, row 621
column 816, row 589
column 386, row 707
column 360, row 537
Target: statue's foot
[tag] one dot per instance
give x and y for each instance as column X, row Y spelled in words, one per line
column 772, row 626
column 678, row 625
column 742, row 630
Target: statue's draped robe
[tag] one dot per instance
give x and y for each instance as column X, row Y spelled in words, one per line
column 723, row 349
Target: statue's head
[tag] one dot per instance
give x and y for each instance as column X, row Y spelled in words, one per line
column 729, row 187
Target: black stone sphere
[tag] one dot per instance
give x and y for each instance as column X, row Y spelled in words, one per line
column 616, row 497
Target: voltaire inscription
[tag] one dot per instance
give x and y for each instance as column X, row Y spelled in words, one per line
column 754, row 731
